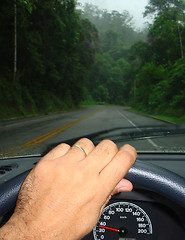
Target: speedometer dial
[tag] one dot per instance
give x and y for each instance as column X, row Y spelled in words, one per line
column 123, row 221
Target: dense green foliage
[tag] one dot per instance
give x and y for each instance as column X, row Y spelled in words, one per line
column 148, row 74
column 55, row 49
column 111, row 78
column 161, row 74
column 54, row 57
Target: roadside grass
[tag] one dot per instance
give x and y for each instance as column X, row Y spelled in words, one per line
column 172, row 119
column 50, row 107
column 179, row 120
column 10, row 112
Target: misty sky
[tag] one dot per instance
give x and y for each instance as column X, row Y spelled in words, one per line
column 135, row 7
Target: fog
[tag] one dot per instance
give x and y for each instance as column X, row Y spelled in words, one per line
column 135, row 8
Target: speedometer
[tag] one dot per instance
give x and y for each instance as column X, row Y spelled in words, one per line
column 123, row 221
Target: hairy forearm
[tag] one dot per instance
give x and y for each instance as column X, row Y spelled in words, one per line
column 14, row 229
column 10, row 232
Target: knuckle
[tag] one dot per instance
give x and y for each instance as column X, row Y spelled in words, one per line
column 43, row 166
column 110, row 144
column 130, row 149
column 59, row 147
column 86, row 141
column 128, row 157
column 63, row 145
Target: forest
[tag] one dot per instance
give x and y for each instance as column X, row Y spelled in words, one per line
column 57, row 56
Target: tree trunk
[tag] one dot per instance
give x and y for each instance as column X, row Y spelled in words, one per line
column 15, row 43
column 180, row 38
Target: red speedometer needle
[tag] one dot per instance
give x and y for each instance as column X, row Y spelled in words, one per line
column 112, row 229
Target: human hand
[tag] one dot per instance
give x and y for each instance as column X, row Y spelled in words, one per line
column 64, row 195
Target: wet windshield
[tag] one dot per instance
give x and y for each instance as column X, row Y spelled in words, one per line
column 96, row 69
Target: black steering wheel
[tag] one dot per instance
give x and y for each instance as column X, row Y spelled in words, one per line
column 154, row 178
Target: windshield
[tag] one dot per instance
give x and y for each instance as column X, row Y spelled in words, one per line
column 101, row 69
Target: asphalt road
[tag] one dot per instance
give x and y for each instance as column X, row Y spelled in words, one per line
column 37, row 135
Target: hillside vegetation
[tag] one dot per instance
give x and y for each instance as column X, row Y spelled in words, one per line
column 55, row 56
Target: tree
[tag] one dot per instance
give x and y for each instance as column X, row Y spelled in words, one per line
column 159, row 6
column 173, row 10
column 55, row 50
column 177, row 86
column 164, row 39
column 147, row 79
column 119, row 24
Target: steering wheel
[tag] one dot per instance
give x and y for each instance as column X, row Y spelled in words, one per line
column 157, row 179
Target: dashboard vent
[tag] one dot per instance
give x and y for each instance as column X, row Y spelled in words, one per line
column 5, row 169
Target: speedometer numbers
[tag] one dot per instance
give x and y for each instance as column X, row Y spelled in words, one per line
column 122, row 221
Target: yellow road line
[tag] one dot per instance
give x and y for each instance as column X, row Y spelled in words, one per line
column 58, row 130
column 15, row 150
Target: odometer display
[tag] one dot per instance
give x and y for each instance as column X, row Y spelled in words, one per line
column 123, row 220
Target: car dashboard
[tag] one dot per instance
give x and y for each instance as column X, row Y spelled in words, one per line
column 138, row 215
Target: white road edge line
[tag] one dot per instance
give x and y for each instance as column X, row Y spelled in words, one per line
column 149, row 140
column 130, row 121
column 152, row 142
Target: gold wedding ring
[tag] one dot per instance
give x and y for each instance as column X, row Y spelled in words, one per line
column 81, row 149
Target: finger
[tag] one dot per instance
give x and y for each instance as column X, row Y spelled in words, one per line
column 102, row 155
column 81, row 149
column 112, row 174
column 57, row 152
column 123, row 186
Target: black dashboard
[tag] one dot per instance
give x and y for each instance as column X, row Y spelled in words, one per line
column 139, row 215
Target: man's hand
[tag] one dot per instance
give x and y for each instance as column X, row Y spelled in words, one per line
column 64, row 195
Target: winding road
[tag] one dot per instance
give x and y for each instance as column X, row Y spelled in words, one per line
column 36, row 135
